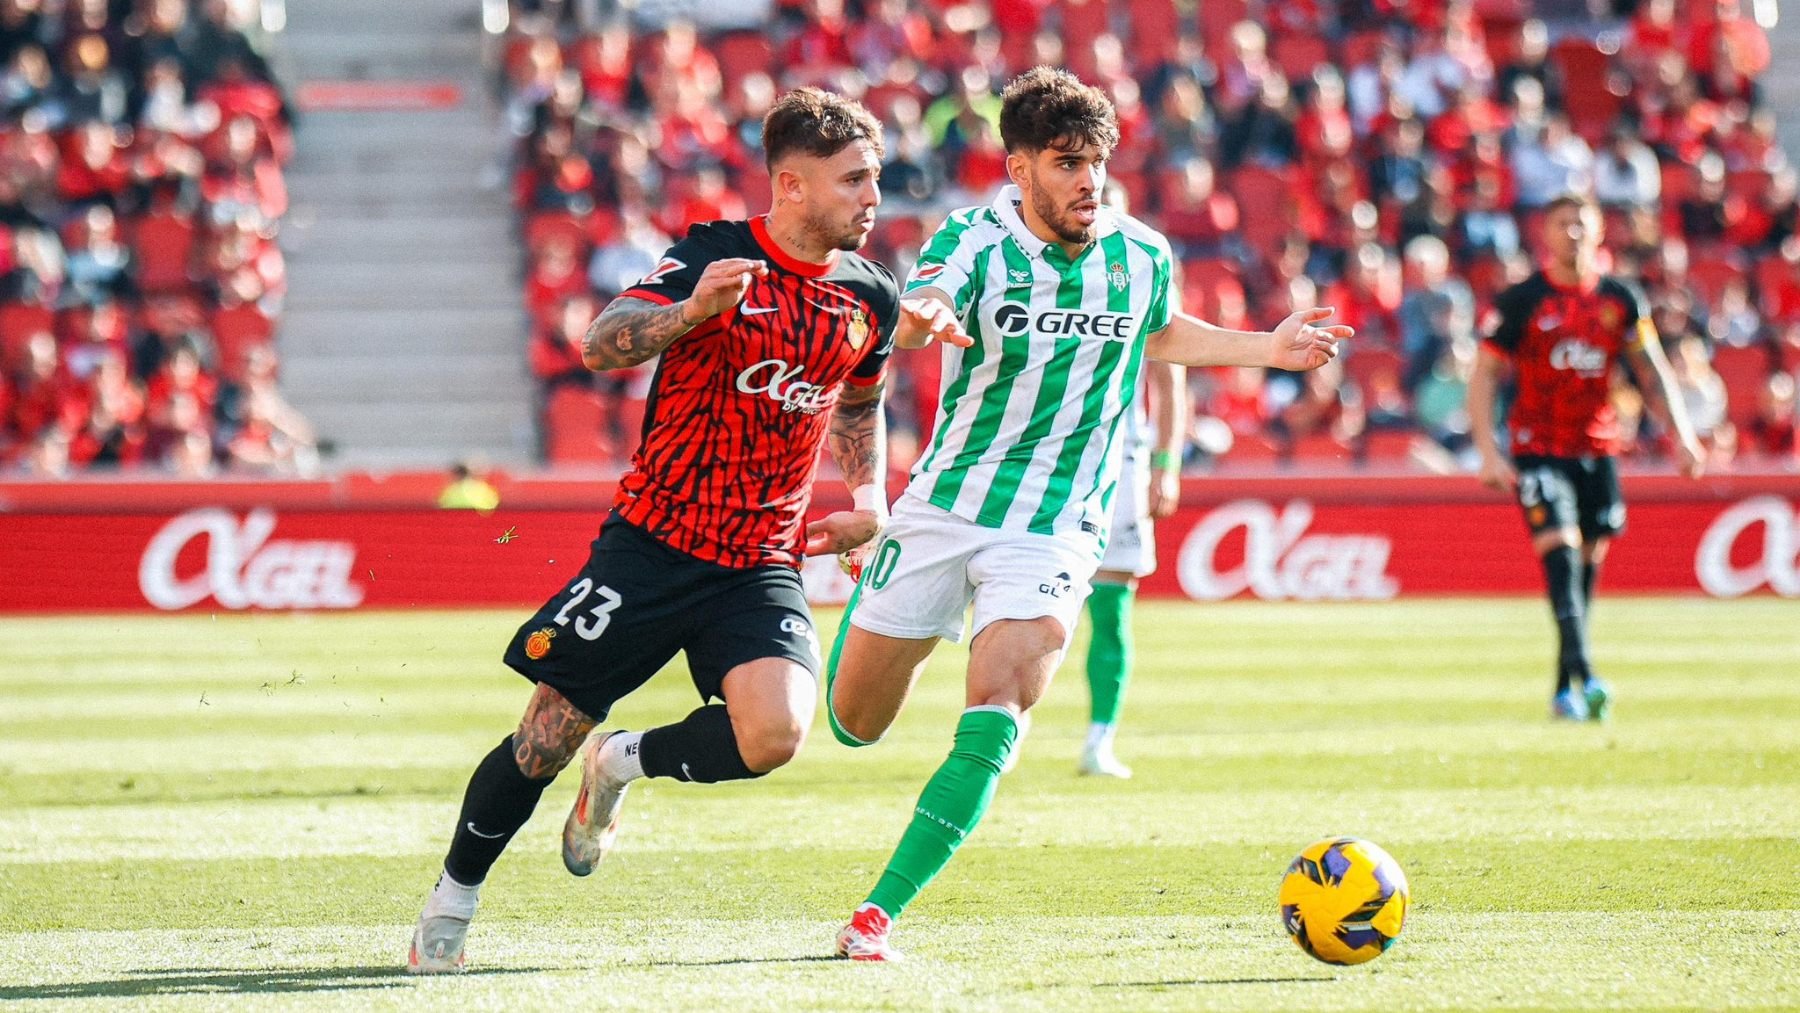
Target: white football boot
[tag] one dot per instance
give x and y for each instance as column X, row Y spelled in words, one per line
column 437, row 943
column 593, row 823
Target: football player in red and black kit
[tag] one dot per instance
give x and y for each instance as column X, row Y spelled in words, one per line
column 1561, row 331
column 773, row 336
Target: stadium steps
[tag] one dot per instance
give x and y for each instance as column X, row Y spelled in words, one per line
column 401, row 334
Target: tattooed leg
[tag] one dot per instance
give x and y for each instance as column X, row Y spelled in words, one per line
column 510, row 780
column 549, row 734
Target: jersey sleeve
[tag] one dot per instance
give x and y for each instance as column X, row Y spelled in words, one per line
column 1162, row 281
column 947, row 263
column 1507, row 325
column 675, row 275
column 886, row 304
column 1640, row 327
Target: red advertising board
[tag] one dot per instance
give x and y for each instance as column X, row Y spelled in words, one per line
column 1352, row 538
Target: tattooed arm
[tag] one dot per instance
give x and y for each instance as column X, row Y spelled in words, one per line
column 630, row 331
column 858, row 442
column 857, row 437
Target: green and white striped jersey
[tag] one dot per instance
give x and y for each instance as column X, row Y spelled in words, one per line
column 1029, row 434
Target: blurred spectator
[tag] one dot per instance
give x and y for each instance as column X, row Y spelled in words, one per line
column 1703, row 392
column 1557, row 161
column 1437, row 310
column 1626, row 173
column 619, row 264
column 1771, row 431
column 468, row 490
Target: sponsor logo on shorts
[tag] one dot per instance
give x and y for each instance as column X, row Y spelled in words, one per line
column 538, row 644
column 1058, row 587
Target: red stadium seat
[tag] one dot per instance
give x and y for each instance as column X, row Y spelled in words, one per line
column 1216, row 19
column 1155, row 27
column 1708, row 278
column 572, row 427
column 1388, row 446
column 552, row 225
column 741, row 54
column 18, row 322
column 163, row 242
column 1298, row 55
column 1745, row 371
column 235, row 329
column 1267, row 199
column 1588, row 94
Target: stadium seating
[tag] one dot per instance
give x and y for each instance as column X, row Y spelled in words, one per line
column 1304, row 203
column 155, row 215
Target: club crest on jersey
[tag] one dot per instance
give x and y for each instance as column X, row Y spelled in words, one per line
column 859, row 328
column 538, row 644
column 1115, row 273
column 1610, row 316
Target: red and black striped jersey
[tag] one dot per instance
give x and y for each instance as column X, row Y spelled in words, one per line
column 739, row 405
column 1563, row 343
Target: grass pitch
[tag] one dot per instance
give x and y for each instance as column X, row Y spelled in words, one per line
column 249, row 810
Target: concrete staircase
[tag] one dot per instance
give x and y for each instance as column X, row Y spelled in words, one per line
column 403, row 333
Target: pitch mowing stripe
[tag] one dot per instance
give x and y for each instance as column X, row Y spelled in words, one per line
column 224, row 750
column 1444, row 961
column 292, row 828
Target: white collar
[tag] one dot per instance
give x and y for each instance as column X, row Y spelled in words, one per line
column 1006, row 206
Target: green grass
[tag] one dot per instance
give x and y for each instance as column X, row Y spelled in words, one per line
column 249, row 809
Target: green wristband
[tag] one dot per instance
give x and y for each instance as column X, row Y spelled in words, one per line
column 1165, row 460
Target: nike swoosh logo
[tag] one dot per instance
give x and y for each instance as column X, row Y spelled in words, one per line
column 751, row 311
column 485, row 837
column 686, row 773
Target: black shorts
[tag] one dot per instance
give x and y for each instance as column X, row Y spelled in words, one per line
column 1571, row 492
column 638, row 601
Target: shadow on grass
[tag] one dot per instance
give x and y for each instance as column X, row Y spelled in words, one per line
column 1204, row 981
column 225, row 981
column 732, row 962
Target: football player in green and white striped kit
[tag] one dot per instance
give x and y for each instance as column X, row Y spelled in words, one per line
column 1008, row 507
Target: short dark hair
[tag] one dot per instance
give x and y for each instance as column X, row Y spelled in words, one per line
column 1050, row 108
column 1572, row 199
column 816, row 122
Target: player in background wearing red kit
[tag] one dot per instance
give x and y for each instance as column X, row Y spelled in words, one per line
column 1561, row 331
column 773, row 336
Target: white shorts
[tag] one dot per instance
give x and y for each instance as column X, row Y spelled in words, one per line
column 1132, row 547
column 931, row 563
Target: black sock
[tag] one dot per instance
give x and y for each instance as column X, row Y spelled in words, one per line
column 702, row 748
column 499, row 801
column 1562, row 566
column 1590, row 575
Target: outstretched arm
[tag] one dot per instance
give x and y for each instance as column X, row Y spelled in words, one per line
column 1295, row 344
column 632, row 331
column 1651, row 368
column 1496, row 471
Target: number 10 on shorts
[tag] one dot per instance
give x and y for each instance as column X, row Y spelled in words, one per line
column 586, row 628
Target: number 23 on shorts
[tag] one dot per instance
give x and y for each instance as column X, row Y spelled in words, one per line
column 585, row 627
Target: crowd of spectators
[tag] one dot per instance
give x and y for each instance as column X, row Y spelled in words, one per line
column 141, row 153
column 1389, row 159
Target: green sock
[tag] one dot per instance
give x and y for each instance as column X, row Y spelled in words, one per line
column 831, row 667
column 1109, row 652
column 950, row 806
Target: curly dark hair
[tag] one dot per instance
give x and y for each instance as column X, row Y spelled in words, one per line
column 1050, row 108
column 817, row 123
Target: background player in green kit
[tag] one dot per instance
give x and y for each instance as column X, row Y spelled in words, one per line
column 1149, row 488
column 1061, row 300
